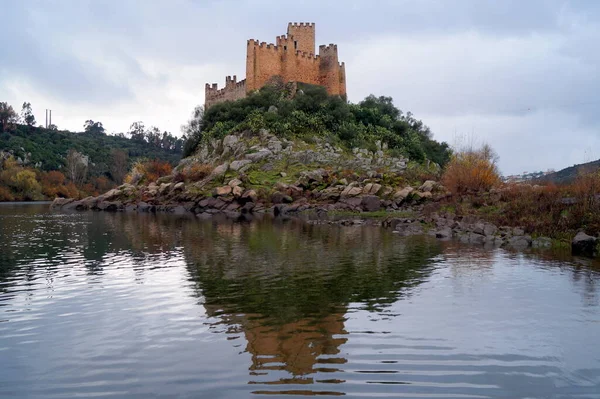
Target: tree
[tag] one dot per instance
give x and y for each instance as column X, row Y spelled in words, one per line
column 153, row 136
column 26, row 183
column 53, row 127
column 27, row 114
column 93, row 127
column 137, row 131
column 193, row 131
column 76, row 166
column 8, row 116
column 119, row 165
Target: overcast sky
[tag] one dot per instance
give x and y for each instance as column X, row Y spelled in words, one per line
column 521, row 75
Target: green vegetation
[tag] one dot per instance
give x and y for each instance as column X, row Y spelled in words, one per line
column 41, row 163
column 312, row 112
column 49, row 148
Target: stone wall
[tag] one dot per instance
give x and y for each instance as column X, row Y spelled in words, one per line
column 232, row 91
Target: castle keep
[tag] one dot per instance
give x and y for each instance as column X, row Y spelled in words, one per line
column 292, row 58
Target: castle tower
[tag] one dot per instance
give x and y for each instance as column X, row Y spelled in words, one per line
column 329, row 69
column 303, row 36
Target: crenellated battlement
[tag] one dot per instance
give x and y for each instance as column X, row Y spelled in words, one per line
column 301, row 24
column 292, row 58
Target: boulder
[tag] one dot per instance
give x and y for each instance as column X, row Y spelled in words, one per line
column 220, row 170
column 489, row 229
column 111, row 194
column 250, row 195
column 371, row 189
column 519, row 242
column 259, row 155
column 541, row 242
column 370, row 203
column 428, row 186
column 401, row 195
column 409, row 229
column 331, row 193
column 237, row 191
column 517, row 231
column 164, row 188
column 89, row 202
column 584, row 244
column 110, row 206
column 224, row 190
column 422, row 196
column 229, row 141
column 239, row 165
column 351, row 191
column 444, row 233
column 234, row 183
column 144, row 207
column 248, row 207
column 478, row 228
column 352, row 202
column 475, row 238
column 60, row 202
column 280, row 198
column 179, row 186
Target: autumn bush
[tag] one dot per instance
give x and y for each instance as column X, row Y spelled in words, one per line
column 471, row 170
column 197, row 172
column 148, row 171
column 6, row 195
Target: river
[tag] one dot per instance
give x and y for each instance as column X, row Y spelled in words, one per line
column 106, row 305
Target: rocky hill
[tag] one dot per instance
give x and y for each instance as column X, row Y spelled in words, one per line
column 249, row 173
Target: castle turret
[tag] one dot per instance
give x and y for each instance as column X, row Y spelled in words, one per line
column 303, row 36
column 329, row 69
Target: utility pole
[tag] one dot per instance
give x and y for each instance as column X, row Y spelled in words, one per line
column 46, row 118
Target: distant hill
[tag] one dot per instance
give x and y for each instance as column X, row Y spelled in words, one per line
column 569, row 174
column 47, row 149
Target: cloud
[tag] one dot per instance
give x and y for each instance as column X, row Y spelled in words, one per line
column 521, row 75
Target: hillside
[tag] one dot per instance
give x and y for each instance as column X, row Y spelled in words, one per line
column 48, row 148
column 568, row 175
column 38, row 163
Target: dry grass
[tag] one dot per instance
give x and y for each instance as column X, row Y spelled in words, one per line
column 549, row 210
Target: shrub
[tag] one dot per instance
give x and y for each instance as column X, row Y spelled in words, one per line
column 471, row 170
column 6, row 195
column 26, row 183
column 148, row 171
column 312, row 112
column 197, row 172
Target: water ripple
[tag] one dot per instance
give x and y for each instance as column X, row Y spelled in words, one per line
column 143, row 306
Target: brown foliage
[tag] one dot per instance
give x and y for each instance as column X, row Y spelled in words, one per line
column 471, row 171
column 6, row 195
column 197, row 172
column 549, row 210
column 148, row 171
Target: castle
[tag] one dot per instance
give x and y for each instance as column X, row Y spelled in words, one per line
column 292, row 58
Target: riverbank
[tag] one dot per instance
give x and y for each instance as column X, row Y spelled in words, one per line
column 247, row 174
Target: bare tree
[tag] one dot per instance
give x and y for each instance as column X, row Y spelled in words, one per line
column 119, row 165
column 77, row 166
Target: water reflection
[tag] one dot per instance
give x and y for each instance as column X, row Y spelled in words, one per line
column 223, row 308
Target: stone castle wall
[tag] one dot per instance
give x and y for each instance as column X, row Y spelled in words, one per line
column 292, row 58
